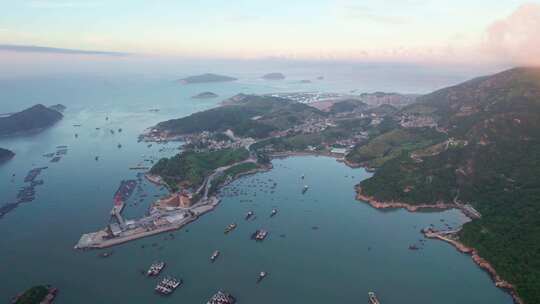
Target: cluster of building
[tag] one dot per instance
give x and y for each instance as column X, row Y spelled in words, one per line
column 308, row 97
column 417, row 121
column 216, row 141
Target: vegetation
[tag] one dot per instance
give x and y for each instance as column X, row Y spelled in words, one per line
column 33, row 295
column 250, row 116
column 300, row 142
column 192, row 168
column 497, row 171
column 392, row 143
column 348, row 105
column 31, row 119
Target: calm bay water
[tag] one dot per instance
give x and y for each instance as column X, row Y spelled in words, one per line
column 324, row 246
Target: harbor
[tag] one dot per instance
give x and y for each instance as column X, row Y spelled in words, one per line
column 78, row 195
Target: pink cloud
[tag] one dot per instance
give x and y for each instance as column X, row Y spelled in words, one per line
column 516, row 39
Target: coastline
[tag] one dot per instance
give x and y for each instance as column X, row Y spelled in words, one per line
column 440, row 206
column 453, row 239
column 450, row 237
column 397, row 205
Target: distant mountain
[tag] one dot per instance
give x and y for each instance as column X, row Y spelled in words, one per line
column 205, row 95
column 203, row 78
column 487, row 154
column 35, row 118
column 52, row 50
column 5, row 155
column 274, row 76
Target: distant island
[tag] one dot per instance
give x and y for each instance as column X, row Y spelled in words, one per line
column 205, row 95
column 33, row 119
column 5, row 155
column 204, row 78
column 274, row 76
column 58, row 107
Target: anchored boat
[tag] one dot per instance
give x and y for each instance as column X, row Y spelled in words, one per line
column 259, row 235
column 155, row 269
column 168, row 285
column 262, row 275
column 221, row 298
column 230, row 228
column 214, row 256
column 373, row 298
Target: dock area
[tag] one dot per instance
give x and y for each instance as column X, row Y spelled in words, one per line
column 158, row 221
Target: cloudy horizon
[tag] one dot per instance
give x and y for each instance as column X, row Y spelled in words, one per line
column 415, row 31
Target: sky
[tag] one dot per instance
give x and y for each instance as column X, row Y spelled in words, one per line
column 458, row 31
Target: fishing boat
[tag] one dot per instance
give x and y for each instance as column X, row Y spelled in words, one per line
column 230, row 228
column 373, row 298
column 305, row 189
column 249, row 214
column 259, row 235
column 214, row 256
column 221, row 297
column 262, row 275
column 155, row 269
column 168, row 285
column 274, row 212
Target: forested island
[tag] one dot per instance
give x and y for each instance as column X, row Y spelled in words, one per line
column 204, row 78
column 474, row 146
column 33, row 119
column 205, row 95
column 5, row 155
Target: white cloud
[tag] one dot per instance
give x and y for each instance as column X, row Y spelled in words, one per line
column 516, row 39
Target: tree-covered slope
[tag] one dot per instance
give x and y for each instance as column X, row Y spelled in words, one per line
column 492, row 162
column 248, row 115
column 31, row 119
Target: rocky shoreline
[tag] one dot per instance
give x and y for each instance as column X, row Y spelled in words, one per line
column 449, row 237
column 453, row 239
column 396, row 205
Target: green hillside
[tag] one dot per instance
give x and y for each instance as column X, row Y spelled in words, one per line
column 249, row 116
column 495, row 166
column 31, row 119
column 192, row 167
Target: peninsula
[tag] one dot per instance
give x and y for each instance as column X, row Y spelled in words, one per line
column 205, row 78
column 33, row 119
column 42, row 294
